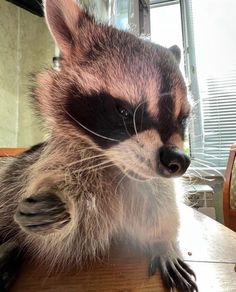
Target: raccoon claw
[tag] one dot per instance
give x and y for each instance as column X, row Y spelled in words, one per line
column 42, row 213
column 10, row 258
column 174, row 273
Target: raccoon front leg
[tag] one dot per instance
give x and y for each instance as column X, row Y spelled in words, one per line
column 42, row 213
column 175, row 273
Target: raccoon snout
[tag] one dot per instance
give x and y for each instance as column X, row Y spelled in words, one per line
column 172, row 161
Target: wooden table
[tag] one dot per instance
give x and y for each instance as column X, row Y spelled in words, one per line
column 208, row 247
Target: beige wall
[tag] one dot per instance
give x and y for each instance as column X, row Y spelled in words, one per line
column 25, row 47
column 8, row 75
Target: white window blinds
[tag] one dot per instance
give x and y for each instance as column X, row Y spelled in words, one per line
column 219, row 116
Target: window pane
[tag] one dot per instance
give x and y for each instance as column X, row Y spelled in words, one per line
column 166, row 27
column 215, row 47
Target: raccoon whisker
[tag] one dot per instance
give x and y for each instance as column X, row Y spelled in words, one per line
column 190, row 182
column 126, row 128
column 103, row 167
column 205, row 154
column 86, row 159
column 90, row 148
column 94, row 166
column 199, row 176
column 190, row 179
column 210, row 167
column 141, row 123
column 133, row 177
column 87, row 129
column 208, row 147
column 79, row 170
column 201, row 160
column 195, row 171
column 123, row 177
column 134, row 117
column 119, row 183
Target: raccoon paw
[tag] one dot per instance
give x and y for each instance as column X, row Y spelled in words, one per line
column 42, row 213
column 175, row 273
column 10, row 260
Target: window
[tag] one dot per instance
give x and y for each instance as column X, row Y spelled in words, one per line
column 213, row 72
column 209, row 37
column 165, row 18
column 131, row 14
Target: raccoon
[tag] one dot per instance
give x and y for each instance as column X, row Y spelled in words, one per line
column 116, row 113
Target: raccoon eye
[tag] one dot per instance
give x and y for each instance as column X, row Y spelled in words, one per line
column 124, row 112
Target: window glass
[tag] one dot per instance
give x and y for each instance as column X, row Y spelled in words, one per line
column 166, row 27
column 215, row 46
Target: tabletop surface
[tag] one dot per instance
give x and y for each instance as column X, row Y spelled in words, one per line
column 207, row 246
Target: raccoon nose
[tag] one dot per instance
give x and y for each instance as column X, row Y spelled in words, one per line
column 172, row 161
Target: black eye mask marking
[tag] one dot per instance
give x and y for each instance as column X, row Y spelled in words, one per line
column 166, row 107
column 167, row 123
column 105, row 116
column 108, row 120
column 97, row 113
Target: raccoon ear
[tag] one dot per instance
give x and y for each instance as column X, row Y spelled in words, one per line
column 175, row 50
column 63, row 18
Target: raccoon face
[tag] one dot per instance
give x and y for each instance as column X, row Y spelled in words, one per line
column 119, row 93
